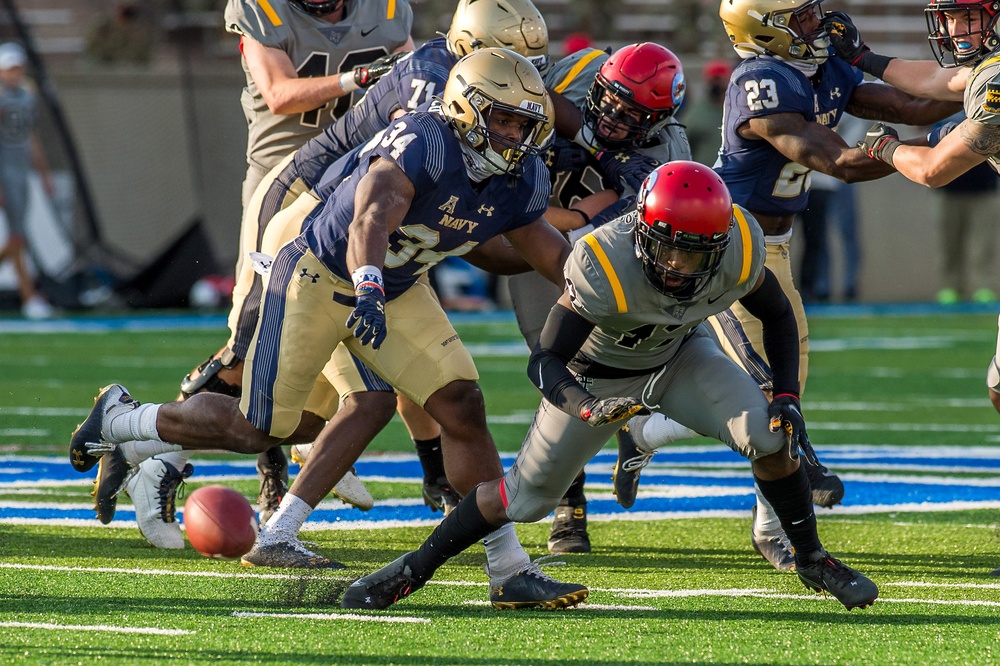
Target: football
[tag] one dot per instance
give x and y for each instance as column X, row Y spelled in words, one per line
column 220, row 522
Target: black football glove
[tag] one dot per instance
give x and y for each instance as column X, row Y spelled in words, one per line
column 880, row 142
column 564, row 155
column 602, row 411
column 844, row 37
column 368, row 318
column 368, row 75
column 784, row 413
column 626, row 169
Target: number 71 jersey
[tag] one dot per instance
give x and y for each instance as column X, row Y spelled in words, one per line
column 759, row 177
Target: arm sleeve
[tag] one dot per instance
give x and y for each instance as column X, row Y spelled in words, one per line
column 564, row 333
column 781, row 332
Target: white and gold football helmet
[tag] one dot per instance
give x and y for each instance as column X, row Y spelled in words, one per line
column 488, row 81
column 787, row 29
column 507, row 24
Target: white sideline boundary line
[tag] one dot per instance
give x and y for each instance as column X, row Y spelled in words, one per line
column 335, row 616
column 97, row 627
column 168, row 572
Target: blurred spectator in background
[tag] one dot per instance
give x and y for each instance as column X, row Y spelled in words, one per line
column 703, row 118
column 125, row 34
column 20, row 150
column 967, row 216
column 831, row 201
column 462, row 287
column 576, row 41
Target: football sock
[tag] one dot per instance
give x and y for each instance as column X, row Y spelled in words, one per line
column 653, row 431
column 431, row 460
column 504, row 554
column 767, row 519
column 286, row 521
column 791, row 498
column 460, row 529
column 574, row 496
column 134, row 424
column 137, row 451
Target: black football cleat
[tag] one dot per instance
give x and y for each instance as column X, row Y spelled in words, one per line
column 113, row 473
column 90, row 431
column 825, row 573
column 569, row 530
column 827, row 488
column 532, row 588
column 381, row 589
column 631, row 460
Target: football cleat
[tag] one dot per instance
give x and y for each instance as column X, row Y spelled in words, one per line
column 290, row 554
column 273, row 477
column 112, row 400
column 773, row 546
column 995, row 572
column 825, row 573
column 383, row 588
column 631, row 460
column 569, row 530
column 348, row 490
column 154, row 491
column 532, row 588
column 440, row 496
column 113, row 473
column 827, row 488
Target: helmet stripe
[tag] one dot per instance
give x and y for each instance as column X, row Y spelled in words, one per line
column 269, row 10
column 577, row 68
column 745, row 242
column 391, row 13
column 609, row 270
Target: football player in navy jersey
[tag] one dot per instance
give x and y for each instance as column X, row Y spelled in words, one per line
column 303, row 61
column 629, row 335
column 783, row 103
column 431, row 185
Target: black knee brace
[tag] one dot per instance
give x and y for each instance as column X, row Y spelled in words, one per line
column 206, row 377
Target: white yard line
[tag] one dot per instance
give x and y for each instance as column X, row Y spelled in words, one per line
column 97, row 627
column 336, row 616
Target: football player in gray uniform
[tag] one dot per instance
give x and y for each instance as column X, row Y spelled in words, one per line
column 302, row 59
column 966, row 45
column 629, row 335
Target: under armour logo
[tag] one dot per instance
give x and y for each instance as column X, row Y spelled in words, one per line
column 835, row 93
column 305, row 274
column 488, row 210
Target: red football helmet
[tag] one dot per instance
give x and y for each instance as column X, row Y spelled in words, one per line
column 955, row 50
column 636, row 92
column 685, row 213
column 319, row 7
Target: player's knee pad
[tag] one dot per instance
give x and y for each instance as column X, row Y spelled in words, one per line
column 206, row 377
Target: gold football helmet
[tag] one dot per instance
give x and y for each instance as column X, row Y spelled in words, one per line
column 788, row 29
column 507, row 24
column 488, row 81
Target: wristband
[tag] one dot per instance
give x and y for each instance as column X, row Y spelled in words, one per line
column 586, row 218
column 347, row 82
column 367, row 279
column 873, row 63
column 885, row 150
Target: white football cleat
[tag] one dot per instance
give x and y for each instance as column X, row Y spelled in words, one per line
column 348, row 490
column 154, row 493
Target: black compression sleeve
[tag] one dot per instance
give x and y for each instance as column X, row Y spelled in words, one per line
column 564, row 333
column 781, row 332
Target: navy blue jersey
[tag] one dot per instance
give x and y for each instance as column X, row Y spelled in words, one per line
column 759, row 177
column 447, row 217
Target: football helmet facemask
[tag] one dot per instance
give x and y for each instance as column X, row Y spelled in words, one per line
column 685, row 213
column 494, row 81
column 956, row 50
column 508, row 24
column 319, row 7
column 788, row 29
column 634, row 95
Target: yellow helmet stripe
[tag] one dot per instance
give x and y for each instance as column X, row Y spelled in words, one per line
column 391, row 14
column 609, row 270
column 745, row 242
column 577, row 68
column 269, row 10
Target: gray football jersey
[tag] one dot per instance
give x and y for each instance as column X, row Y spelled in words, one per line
column 572, row 77
column 982, row 97
column 637, row 326
column 371, row 29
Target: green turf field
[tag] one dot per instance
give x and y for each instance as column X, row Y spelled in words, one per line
column 663, row 591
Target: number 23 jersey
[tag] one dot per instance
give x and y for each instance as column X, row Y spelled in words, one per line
column 760, row 178
column 448, row 215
